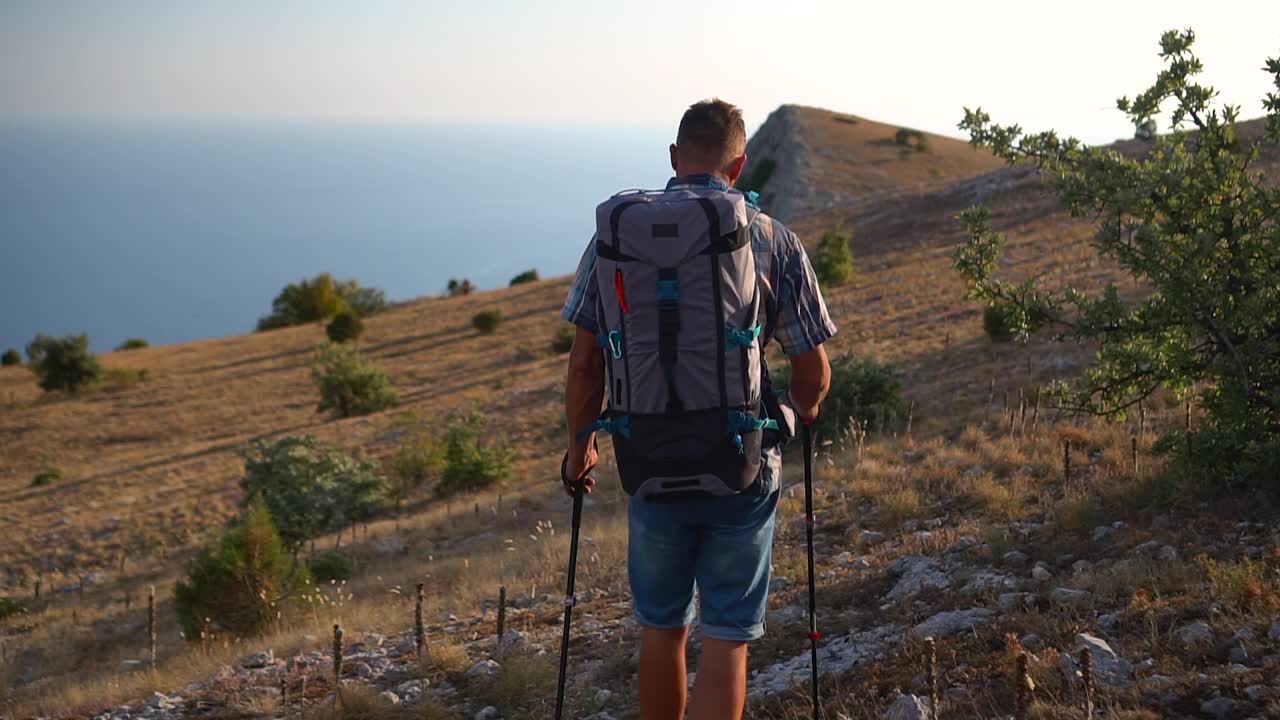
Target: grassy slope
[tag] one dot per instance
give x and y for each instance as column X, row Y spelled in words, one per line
column 151, row 468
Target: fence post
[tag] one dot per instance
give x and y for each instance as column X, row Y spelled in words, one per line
column 1066, row 461
column 1035, row 414
column 337, row 663
column 1133, row 444
column 911, row 411
column 284, row 695
column 1022, row 688
column 502, row 612
column 991, row 396
column 1086, row 675
column 419, row 632
column 151, row 625
column 931, row 669
column 37, row 592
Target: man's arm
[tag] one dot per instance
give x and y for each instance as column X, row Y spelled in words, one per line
column 583, row 396
column 810, row 381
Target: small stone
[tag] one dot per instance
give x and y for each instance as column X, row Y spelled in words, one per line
column 952, row 622
column 1258, row 693
column 1068, row 597
column 1160, row 522
column 1108, row 622
column 258, row 660
column 1148, row 549
column 908, row 707
column 513, row 639
column 603, row 695
column 789, row 614
column 487, row 712
column 1109, row 669
column 1102, row 533
column 1168, row 554
column 1015, row 559
column 871, row 538
column 1196, row 636
column 777, row 583
column 483, row 669
column 390, row 697
column 1041, row 573
column 916, row 574
column 843, row 558
column 1081, row 566
column 1219, row 707
column 1012, row 601
column 1157, row 683
column 1274, row 632
column 1031, row 641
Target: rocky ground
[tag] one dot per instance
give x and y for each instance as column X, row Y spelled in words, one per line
column 1162, row 638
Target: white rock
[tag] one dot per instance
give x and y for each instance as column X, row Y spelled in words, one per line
column 1109, row 669
column 1167, row 554
column 908, row 707
column 1041, row 573
column 1010, row 602
column 916, row 574
column 603, row 695
column 1102, row 533
column 871, row 537
column 390, row 697
column 483, row 669
column 1196, row 636
column 488, row 712
column 258, row 660
column 1015, row 558
column 952, row 622
column 1219, row 707
column 1109, row 622
column 1068, row 597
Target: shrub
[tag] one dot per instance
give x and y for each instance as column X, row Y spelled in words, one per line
column 527, row 276
column 310, row 489
column 419, row 457
column 833, row 263
column 469, row 463
column 759, row 176
column 458, row 287
column 133, row 344
column 319, row 299
column 861, row 389
column 563, row 341
column 10, row 607
column 909, row 138
column 1003, row 323
column 47, row 476
column 63, row 363
column 241, row 583
column 346, row 326
column 10, row 358
column 995, row 324
column 486, row 321
column 349, row 384
column 1182, row 218
column 331, row 566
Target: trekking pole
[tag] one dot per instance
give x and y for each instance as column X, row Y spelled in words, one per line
column 568, row 593
column 814, row 635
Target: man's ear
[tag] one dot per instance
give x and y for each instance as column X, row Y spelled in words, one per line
column 675, row 158
column 735, row 168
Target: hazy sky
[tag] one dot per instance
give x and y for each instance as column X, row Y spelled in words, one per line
column 543, row 62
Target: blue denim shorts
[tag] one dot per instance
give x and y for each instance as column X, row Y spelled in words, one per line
column 724, row 546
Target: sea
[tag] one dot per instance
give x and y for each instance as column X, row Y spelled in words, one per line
column 174, row 232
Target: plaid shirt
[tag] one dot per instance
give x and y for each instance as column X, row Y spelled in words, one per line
column 795, row 314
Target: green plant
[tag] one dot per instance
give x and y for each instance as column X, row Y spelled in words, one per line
column 309, row 488
column 63, row 363
column 486, row 321
column 346, row 326
column 833, row 263
column 461, row 287
column 527, row 276
column 331, row 566
column 909, row 138
column 862, row 390
column 1244, row 585
column 241, row 583
column 320, row 298
column 469, row 462
column 563, row 341
column 349, row 383
column 47, row 476
column 1002, row 324
column 10, row 358
column 418, row 458
column 759, row 175
column 1189, row 219
column 10, row 607
column 133, row 344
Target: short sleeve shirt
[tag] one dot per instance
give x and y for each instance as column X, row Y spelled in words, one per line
column 795, row 314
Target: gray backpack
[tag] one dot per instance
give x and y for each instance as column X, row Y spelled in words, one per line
column 680, row 326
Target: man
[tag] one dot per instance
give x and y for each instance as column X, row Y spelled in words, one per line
column 723, row 545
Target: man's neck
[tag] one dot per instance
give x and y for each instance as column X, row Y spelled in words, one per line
column 689, row 172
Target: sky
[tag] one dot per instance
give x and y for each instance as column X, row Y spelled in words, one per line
column 582, row 63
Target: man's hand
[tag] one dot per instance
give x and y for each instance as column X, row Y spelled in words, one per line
column 810, row 381
column 582, row 461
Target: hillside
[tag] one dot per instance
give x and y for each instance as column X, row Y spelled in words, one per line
column 965, row 526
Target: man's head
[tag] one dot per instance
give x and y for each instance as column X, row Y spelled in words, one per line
column 712, row 139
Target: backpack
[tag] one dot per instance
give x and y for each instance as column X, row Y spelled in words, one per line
column 679, row 315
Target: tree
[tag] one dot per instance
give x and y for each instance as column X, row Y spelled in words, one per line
column 243, row 582
column 527, row 276
column 346, row 326
column 63, row 363
column 461, row 287
column 1192, row 220
column 833, row 263
column 320, row 298
column 470, row 462
column 349, row 384
column 11, row 357
column 310, row 489
column 133, row 344
column 486, row 321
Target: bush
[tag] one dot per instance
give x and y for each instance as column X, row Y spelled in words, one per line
column 527, row 276
column 833, row 263
column 10, row 607
column 995, row 325
column 1182, row 219
column 563, row 341
column 909, row 138
column 345, row 326
column 10, row 358
column 758, row 177
column 861, row 389
column 133, row 344
column 419, row 457
column 63, row 363
column 47, row 476
column 486, row 321
column 319, row 299
column 470, row 464
column 458, row 287
column 310, row 489
column 1003, row 323
column 331, row 566
column 349, row 384
column 242, row 583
